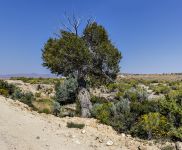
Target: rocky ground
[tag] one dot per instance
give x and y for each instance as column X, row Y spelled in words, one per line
column 46, row 90
column 24, row 129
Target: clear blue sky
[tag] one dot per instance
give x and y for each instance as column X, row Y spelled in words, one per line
column 148, row 32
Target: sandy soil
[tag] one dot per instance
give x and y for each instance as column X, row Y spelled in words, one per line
column 23, row 129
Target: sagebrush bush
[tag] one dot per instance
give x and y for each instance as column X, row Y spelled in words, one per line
column 121, row 117
column 56, row 108
column 123, row 106
column 66, row 91
column 136, row 94
column 26, row 98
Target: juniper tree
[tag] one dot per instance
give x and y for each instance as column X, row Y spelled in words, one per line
column 90, row 56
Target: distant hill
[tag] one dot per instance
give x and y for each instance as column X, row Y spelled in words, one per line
column 32, row 75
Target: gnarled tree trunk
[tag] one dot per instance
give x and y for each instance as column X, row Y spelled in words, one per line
column 84, row 99
column 85, row 104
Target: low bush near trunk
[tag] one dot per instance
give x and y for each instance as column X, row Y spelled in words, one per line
column 75, row 125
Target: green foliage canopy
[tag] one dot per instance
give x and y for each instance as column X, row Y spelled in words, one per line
column 90, row 56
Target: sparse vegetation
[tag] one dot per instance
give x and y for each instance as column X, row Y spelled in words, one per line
column 131, row 111
column 38, row 80
column 168, row 147
column 75, row 125
column 6, row 89
column 134, row 113
column 44, row 105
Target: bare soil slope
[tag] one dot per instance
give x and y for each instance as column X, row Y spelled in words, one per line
column 23, row 129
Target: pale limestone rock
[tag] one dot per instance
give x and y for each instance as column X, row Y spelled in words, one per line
column 109, row 143
column 83, row 131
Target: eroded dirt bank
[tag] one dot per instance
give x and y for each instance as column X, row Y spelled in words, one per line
column 23, row 129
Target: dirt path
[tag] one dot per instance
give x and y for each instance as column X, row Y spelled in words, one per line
column 22, row 129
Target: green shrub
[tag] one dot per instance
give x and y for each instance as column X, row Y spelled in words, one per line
column 37, row 94
column 151, row 125
column 112, row 86
column 176, row 133
column 121, row 86
column 161, row 89
column 98, row 100
column 17, row 94
column 45, row 110
column 6, row 89
column 102, row 112
column 27, row 98
column 172, row 108
column 141, row 108
column 119, row 95
column 4, row 92
column 75, row 125
column 43, row 105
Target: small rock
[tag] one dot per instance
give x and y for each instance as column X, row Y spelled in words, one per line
column 101, row 140
column 129, row 135
column 109, row 143
column 93, row 145
column 83, row 131
column 38, row 137
column 72, row 136
column 141, row 147
column 122, row 134
column 178, row 145
column 77, row 142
